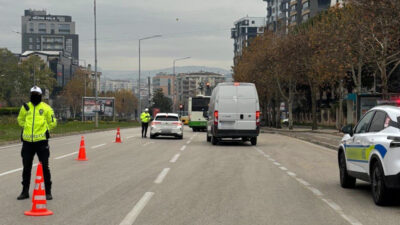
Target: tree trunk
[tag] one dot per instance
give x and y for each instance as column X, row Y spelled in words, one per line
column 278, row 112
column 273, row 106
column 314, row 107
column 385, row 91
column 290, row 108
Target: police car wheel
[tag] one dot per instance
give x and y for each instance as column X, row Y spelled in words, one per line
column 346, row 181
column 380, row 192
column 253, row 141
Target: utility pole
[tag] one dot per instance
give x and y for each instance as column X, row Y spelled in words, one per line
column 95, row 65
column 149, row 85
column 139, row 98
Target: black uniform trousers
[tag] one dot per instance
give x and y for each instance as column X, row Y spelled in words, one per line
column 144, row 129
column 29, row 149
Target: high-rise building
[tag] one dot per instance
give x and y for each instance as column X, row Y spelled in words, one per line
column 116, row 85
column 166, row 83
column 193, row 84
column 282, row 14
column 245, row 29
column 44, row 32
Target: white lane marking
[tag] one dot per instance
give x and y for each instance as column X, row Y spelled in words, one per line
column 130, row 137
column 183, row 148
column 315, row 191
column 276, row 163
column 333, row 205
column 14, row 170
column 351, row 220
column 145, row 144
column 188, row 142
column 161, row 176
column 303, row 182
column 137, row 209
column 10, row 171
column 10, row 146
column 319, row 194
column 173, row 160
column 291, row 174
column 98, row 146
column 283, row 168
column 272, row 160
column 66, row 155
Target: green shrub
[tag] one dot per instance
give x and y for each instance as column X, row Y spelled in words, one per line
column 9, row 111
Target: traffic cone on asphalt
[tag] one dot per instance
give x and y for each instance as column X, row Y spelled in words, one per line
column 118, row 137
column 39, row 196
column 82, row 151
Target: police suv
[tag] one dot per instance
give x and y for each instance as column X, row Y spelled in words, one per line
column 371, row 152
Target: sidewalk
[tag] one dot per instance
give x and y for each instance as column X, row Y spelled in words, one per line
column 329, row 138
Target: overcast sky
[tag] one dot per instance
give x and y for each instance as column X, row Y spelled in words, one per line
column 196, row 28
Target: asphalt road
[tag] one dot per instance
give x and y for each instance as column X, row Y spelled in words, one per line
column 179, row 182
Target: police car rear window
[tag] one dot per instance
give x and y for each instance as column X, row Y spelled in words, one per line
column 167, row 118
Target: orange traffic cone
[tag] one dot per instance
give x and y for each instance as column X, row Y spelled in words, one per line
column 82, row 151
column 118, row 137
column 39, row 196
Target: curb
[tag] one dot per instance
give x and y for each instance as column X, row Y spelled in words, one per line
column 326, row 145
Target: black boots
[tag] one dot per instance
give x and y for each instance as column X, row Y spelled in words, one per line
column 48, row 192
column 24, row 194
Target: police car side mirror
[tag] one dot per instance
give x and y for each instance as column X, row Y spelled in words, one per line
column 348, row 129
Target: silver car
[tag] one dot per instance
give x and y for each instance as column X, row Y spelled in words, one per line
column 166, row 124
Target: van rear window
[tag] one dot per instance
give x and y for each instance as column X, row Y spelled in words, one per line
column 167, row 118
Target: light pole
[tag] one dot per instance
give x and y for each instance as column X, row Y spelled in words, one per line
column 95, row 65
column 139, row 100
column 175, row 60
column 173, row 72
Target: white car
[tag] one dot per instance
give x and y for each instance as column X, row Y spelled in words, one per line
column 371, row 152
column 166, row 124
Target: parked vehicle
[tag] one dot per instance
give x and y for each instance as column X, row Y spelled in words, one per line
column 234, row 112
column 166, row 124
column 197, row 106
column 371, row 152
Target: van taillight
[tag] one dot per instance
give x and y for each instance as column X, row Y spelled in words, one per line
column 155, row 123
column 236, row 84
column 215, row 117
column 258, row 118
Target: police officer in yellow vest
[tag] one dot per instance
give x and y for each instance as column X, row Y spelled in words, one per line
column 37, row 119
column 145, row 119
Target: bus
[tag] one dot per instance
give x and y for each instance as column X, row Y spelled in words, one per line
column 196, row 108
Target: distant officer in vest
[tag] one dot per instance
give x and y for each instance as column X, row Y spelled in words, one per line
column 37, row 119
column 145, row 119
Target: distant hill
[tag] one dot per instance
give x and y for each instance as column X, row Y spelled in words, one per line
column 133, row 75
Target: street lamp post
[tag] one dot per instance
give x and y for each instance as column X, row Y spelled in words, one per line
column 139, row 100
column 173, row 72
column 95, row 65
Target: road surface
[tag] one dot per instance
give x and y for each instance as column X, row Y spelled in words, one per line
column 179, row 182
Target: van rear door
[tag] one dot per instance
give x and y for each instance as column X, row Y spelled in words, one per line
column 247, row 103
column 237, row 107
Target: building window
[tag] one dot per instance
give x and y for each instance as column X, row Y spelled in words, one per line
column 306, row 5
column 30, row 47
column 64, row 28
column 42, row 28
column 293, row 8
column 306, row 17
column 37, row 47
column 30, row 40
column 31, row 27
column 38, row 40
column 252, row 22
column 293, row 19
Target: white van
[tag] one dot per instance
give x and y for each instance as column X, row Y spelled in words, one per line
column 234, row 112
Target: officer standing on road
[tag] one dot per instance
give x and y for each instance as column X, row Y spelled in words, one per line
column 37, row 119
column 145, row 119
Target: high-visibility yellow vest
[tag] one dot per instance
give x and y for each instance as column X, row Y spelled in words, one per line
column 145, row 117
column 36, row 121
